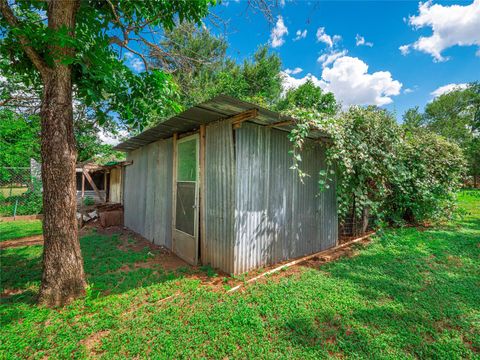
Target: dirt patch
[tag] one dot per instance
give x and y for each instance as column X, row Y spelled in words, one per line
column 276, row 277
column 161, row 257
column 93, row 341
column 24, row 241
column 21, row 217
column 131, row 241
column 168, row 262
column 454, row 261
column 11, row 292
column 345, row 239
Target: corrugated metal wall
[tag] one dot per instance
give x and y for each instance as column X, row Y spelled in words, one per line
column 218, row 245
column 276, row 216
column 148, row 192
column 257, row 212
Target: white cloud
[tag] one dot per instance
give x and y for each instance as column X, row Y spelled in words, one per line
column 278, row 32
column 404, row 49
column 328, row 58
column 451, row 25
column 297, row 70
column 348, row 79
column 290, row 82
column 360, row 40
column 447, row 88
column 134, row 62
column 281, row 3
column 408, row 91
column 111, row 139
column 322, row 36
column 300, row 35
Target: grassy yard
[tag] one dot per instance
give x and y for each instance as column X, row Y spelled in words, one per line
column 411, row 293
column 20, row 228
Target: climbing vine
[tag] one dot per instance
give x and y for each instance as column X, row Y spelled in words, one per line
column 370, row 157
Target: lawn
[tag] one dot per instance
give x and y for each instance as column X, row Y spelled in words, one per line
column 410, row 293
column 20, row 228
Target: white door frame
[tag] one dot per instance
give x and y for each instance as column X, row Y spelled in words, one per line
column 181, row 240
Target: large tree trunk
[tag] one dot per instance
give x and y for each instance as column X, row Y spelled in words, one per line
column 63, row 277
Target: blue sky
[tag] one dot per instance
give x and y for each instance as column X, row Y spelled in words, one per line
column 441, row 46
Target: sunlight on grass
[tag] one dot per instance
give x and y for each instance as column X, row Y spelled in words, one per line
column 20, row 228
column 411, row 293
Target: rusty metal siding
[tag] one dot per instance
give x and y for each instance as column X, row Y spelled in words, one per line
column 276, row 216
column 148, row 192
column 218, row 245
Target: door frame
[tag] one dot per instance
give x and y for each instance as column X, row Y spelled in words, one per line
column 176, row 232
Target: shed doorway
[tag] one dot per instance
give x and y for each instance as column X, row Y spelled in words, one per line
column 186, row 199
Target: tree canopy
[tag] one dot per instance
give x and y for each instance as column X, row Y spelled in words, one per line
column 456, row 116
column 202, row 69
column 309, row 96
column 19, row 139
column 104, row 32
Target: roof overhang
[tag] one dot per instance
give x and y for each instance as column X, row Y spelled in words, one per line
column 219, row 108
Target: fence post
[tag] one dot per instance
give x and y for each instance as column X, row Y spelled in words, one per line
column 15, row 210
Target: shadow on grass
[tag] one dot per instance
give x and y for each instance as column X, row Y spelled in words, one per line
column 109, row 270
column 12, row 230
column 412, row 291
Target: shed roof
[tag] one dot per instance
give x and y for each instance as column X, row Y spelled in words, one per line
column 219, row 108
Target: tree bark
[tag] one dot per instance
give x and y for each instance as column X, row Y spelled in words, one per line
column 63, row 276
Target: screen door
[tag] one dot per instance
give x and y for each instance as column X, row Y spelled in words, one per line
column 185, row 231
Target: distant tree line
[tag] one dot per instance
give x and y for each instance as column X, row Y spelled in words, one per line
column 456, row 116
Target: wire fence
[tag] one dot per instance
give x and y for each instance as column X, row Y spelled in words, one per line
column 14, row 180
column 353, row 225
column 20, row 191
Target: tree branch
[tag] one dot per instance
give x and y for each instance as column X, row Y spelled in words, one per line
column 115, row 40
column 32, row 54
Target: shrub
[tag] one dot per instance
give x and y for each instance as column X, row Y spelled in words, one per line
column 383, row 171
column 428, row 175
column 88, row 201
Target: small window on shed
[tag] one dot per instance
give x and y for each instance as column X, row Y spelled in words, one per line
column 187, row 161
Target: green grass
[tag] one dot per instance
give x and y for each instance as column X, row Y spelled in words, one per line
column 20, row 228
column 411, row 293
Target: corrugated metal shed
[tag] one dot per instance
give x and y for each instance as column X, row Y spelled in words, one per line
column 277, row 217
column 148, row 192
column 218, row 108
column 218, row 244
column 256, row 211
